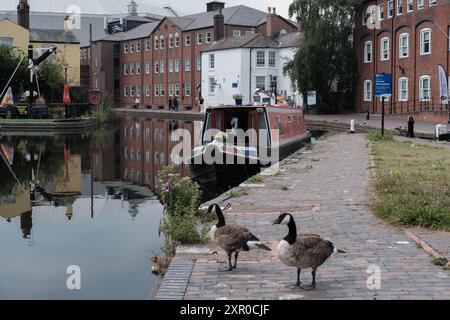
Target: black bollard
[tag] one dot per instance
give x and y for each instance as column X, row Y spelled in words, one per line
column 368, row 115
column 410, row 133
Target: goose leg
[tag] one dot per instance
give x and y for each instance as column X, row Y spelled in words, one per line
column 298, row 283
column 235, row 259
column 230, row 267
column 313, row 284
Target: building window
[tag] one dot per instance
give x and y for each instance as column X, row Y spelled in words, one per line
column 177, row 65
column 187, row 89
column 147, row 45
column 156, row 90
column 249, row 32
column 170, row 65
column 261, row 83
column 409, row 5
column 132, row 91
column 199, row 38
column 199, row 63
column 390, row 9
column 156, row 67
column 432, row 3
column 368, row 52
column 125, row 48
column 132, row 66
column 404, row 45
column 147, row 160
column 138, row 91
column 132, row 48
column 147, row 90
column 381, row 11
column 161, row 42
column 138, row 68
column 125, row 91
column 236, row 33
column 424, row 88
column 403, row 89
column 170, row 89
column 125, row 69
column 162, row 90
column 212, row 61
column 208, row 37
column 384, row 49
column 260, row 58
column 425, row 41
column 420, row 4
column 177, row 90
column 161, row 66
column 212, row 85
column 170, row 40
column 147, row 67
column 187, row 64
column 125, row 153
column 138, row 47
column 187, row 40
column 399, row 7
column 272, row 59
column 156, row 45
column 367, row 90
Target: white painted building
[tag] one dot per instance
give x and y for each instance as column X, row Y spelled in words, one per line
column 242, row 65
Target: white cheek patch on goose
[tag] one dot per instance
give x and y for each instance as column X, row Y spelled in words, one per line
column 286, row 220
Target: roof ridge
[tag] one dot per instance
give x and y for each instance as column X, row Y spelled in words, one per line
column 254, row 36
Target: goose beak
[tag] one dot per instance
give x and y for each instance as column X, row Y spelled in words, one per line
column 276, row 221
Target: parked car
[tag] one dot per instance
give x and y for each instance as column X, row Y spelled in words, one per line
column 9, row 111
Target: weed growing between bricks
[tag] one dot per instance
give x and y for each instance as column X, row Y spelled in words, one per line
column 412, row 183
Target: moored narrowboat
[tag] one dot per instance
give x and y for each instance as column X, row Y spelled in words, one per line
column 238, row 141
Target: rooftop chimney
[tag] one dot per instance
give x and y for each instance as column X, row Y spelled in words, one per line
column 23, row 14
column 219, row 27
column 270, row 25
column 214, row 6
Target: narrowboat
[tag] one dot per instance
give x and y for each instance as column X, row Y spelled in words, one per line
column 238, row 141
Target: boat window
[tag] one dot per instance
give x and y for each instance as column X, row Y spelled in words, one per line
column 279, row 125
column 262, row 119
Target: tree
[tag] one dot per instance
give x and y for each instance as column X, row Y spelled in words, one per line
column 50, row 74
column 9, row 59
column 51, row 80
column 324, row 60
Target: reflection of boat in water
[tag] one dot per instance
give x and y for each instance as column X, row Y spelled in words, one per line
column 227, row 157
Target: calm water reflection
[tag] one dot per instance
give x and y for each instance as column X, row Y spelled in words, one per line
column 83, row 200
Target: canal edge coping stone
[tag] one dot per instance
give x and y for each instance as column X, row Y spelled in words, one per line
column 175, row 282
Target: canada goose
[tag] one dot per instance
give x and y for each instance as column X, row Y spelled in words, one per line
column 232, row 238
column 303, row 251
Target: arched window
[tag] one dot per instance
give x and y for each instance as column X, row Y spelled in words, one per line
column 161, row 42
column 403, row 45
column 177, row 40
column 156, row 43
column 283, row 31
column 170, row 40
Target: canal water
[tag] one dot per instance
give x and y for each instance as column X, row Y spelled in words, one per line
column 84, row 207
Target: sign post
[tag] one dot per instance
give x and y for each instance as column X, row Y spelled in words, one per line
column 383, row 89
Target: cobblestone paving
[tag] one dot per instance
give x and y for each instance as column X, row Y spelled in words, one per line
column 328, row 192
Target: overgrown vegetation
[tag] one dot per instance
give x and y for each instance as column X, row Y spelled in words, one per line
column 412, row 183
column 256, row 179
column 237, row 193
column 103, row 111
column 181, row 198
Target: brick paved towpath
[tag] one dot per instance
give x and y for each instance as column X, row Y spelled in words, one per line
column 328, row 192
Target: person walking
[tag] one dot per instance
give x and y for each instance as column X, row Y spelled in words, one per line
column 170, row 104
column 175, row 103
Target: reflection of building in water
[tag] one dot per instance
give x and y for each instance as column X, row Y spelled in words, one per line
column 105, row 157
column 146, row 146
column 17, row 204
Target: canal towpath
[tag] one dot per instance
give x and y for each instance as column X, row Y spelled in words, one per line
column 327, row 189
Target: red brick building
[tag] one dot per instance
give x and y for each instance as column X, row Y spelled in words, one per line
column 165, row 64
column 408, row 38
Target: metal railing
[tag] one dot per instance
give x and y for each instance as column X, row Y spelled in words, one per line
column 431, row 104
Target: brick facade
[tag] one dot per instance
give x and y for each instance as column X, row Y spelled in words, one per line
column 410, row 23
column 188, row 82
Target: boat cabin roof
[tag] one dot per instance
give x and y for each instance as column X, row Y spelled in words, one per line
column 281, row 106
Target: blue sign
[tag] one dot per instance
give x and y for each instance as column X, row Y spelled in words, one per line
column 383, row 84
column 235, row 85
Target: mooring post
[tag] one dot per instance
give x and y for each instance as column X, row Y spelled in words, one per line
column 352, row 126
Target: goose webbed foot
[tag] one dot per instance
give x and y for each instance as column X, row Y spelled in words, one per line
column 227, row 269
column 294, row 286
column 310, row 287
